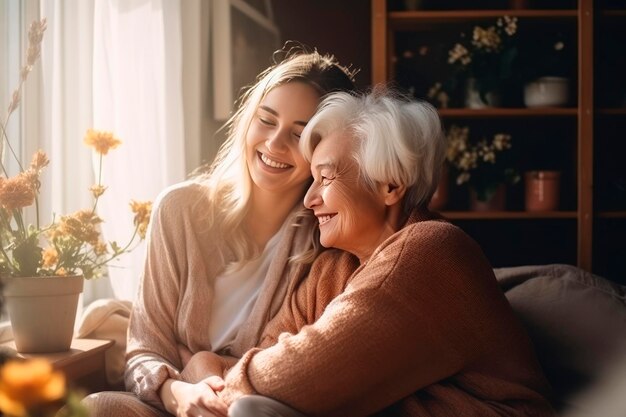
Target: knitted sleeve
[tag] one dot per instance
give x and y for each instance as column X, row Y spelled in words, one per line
column 307, row 301
column 152, row 355
column 400, row 325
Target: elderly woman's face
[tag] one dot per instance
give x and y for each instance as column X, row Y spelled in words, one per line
column 351, row 216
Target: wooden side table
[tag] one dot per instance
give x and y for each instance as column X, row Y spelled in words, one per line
column 83, row 364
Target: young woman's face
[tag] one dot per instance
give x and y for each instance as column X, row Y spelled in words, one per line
column 274, row 159
column 351, row 216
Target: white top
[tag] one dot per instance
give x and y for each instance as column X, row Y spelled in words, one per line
column 235, row 295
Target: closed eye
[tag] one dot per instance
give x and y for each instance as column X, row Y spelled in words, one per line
column 266, row 122
column 325, row 180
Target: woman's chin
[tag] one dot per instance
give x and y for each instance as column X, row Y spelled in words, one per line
column 325, row 241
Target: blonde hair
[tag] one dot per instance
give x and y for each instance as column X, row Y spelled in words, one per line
column 228, row 180
column 401, row 141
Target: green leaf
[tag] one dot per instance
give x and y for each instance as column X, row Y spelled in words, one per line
column 28, row 255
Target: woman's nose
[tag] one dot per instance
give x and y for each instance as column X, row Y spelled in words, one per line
column 276, row 141
column 312, row 197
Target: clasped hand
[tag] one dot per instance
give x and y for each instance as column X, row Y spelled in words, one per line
column 197, row 394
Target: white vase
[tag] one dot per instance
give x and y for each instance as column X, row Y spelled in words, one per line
column 42, row 311
column 473, row 100
column 547, row 92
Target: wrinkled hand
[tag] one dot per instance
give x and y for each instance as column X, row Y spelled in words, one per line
column 200, row 399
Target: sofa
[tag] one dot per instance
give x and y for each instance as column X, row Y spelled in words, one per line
column 576, row 320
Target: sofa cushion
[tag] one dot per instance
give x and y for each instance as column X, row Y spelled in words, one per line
column 108, row 319
column 576, row 320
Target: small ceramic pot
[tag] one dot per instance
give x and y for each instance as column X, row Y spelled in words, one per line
column 542, row 190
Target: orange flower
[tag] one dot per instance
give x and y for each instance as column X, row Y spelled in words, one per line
column 50, row 257
column 101, row 141
column 27, row 384
column 17, row 192
column 142, row 212
column 97, row 190
column 40, row 160
column 100, row 248
column 81, row 225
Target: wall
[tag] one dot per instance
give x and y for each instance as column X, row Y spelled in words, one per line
column 342, row 28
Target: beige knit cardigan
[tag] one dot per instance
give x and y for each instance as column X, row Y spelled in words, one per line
column 176, row 292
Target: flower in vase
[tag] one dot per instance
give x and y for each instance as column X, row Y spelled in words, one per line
column 487, row 56
column 71, row 244
column 482, row 163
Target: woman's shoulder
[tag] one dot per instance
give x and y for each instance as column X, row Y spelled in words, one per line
column 181, row 196
column 433, row 236
column 435, row 231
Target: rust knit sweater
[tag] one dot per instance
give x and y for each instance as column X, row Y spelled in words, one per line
column 422, row 329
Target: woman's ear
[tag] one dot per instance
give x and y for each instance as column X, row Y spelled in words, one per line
column 394, row 193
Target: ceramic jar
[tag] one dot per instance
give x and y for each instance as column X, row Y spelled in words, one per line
column 542, row 190
column 547, row 92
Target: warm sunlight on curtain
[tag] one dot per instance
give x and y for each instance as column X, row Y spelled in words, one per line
column 137, row 93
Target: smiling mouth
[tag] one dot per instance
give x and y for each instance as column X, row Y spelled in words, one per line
column 325, row 218
column 271, row 163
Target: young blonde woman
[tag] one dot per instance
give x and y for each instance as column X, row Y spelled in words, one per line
column 223, row 247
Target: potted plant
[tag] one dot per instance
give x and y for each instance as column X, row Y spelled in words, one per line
column 482, row 65
column 43, row 266
column 32, row 387
column 483, row 164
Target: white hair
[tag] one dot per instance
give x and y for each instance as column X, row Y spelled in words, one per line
column 401, row 141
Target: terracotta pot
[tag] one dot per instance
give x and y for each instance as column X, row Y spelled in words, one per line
column 42, row 311
column 441, row 195
column 542, row 190
column 497, row 202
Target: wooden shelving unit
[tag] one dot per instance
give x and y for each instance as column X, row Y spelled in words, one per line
column 500, row 215
column 609, row 196
column 578, row 219
column 509, row 112
column 401, row 18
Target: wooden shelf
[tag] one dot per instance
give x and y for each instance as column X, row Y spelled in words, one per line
column 612, row 112
column 510, row 112
column 612, row 214
column 613, row 13
column 402, row 18
column 499, row 215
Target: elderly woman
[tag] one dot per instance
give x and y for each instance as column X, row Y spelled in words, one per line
column 420, row 328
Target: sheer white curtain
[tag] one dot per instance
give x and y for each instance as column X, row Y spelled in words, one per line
column 112, row 65
column 66, row 113
column 137, row 93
